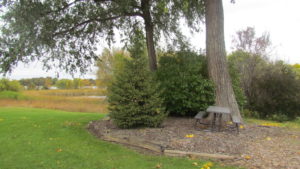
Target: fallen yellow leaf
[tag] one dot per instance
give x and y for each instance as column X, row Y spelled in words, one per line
column 158, row 166
column 195, row 163
column 209, row 164
column 241, row 127
column 59, row 150
column 189, row 135
column 247, row 157
column 1, row 120
column 268, row 138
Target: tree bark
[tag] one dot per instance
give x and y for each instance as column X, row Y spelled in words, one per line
column 145, row 5
column 216, row 54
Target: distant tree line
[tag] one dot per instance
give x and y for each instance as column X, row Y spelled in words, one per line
column 74, row 83
column 38, row 83
column 48, row 82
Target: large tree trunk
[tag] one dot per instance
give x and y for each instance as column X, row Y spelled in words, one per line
column 215, row 50
column 145, row 5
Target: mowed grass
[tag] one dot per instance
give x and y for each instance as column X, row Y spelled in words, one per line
column 67, row 100
column 40, row 138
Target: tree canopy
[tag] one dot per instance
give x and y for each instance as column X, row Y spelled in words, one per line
column 65, row 33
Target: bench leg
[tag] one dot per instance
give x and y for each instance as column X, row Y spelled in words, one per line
column 220, row 122
column 237, row 127
column 213, row 122
column 195, row 125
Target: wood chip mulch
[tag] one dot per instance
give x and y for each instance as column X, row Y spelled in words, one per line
column 257, row 147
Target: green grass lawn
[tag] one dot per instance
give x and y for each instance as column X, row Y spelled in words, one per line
column 41, row 138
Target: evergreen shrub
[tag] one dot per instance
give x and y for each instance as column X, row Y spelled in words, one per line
column 134, row 96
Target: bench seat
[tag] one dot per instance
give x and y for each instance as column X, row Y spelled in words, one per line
column 199, row 116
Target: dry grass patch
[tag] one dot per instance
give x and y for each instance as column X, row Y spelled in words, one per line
column 66, row 105
column 68, row 92
column 61, row 100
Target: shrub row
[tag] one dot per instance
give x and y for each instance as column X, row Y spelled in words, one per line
column 10, row 85
column 140, row 98
column 180, row 87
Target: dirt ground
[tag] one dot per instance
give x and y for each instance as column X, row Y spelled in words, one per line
column 256, row 147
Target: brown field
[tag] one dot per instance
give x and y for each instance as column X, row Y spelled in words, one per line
column 67, row 100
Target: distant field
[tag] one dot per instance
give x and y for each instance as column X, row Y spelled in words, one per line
column 51, row 139
column 69, row 100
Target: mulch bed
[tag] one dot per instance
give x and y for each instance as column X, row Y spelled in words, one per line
column 255, row 146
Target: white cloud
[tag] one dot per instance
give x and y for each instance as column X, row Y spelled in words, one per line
column 279, row 17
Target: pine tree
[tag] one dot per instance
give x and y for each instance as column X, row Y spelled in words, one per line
column 134, row 96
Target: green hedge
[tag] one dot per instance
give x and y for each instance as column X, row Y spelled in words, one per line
column 186, row 88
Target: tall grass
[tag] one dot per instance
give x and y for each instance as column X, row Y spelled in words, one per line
column 59, row 100
column 12, row 95
column 68, row 92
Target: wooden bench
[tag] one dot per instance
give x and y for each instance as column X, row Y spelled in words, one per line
column 199, row 116
column 217, row 114
column 237, row 121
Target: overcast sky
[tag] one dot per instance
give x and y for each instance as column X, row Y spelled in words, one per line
column 281, row 18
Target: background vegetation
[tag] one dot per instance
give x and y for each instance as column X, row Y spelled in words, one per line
column 271, row 88
column 10, row 85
